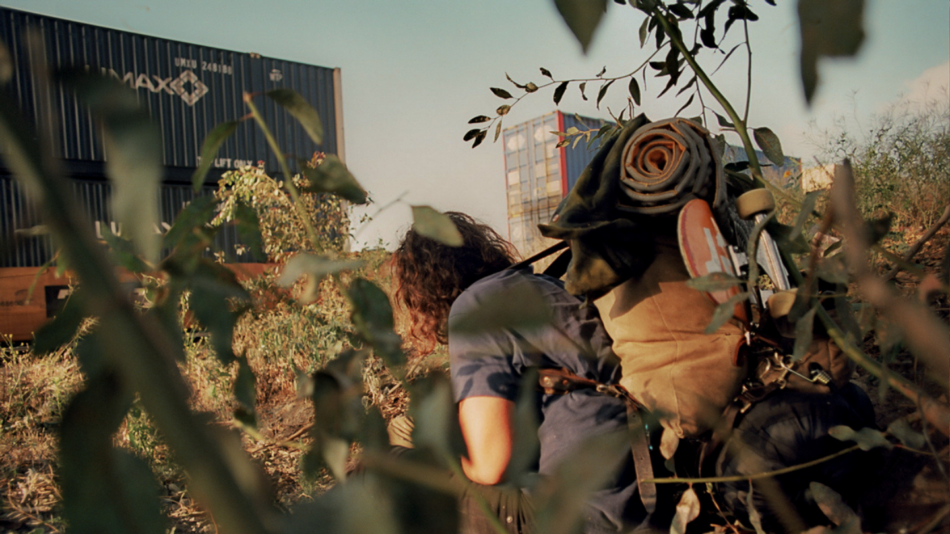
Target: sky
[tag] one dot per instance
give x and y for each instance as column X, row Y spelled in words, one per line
column 415, row 71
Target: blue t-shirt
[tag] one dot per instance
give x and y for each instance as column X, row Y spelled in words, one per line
column 490, row 363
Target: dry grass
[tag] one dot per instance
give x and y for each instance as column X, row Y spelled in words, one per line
column 33, row 393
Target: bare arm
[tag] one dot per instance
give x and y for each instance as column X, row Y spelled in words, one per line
column 487, row 429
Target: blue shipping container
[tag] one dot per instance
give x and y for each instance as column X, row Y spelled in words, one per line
column 538, row 173
column 188, row 89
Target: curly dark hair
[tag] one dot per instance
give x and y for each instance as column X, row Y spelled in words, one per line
column 430, row 275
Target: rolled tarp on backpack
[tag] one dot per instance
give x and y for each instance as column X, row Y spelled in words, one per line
column 666, row 164
column 617, row 206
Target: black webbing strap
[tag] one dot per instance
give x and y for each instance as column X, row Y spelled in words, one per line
column 560, row 381
column 540, row 255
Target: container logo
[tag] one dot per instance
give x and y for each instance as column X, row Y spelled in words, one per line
column 198, row 89
column 275, row 75
column 157, row 84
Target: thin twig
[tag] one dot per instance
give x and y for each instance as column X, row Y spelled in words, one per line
column 755, row 476
column 748, row 87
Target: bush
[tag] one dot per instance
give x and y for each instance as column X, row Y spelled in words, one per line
column 901, row 162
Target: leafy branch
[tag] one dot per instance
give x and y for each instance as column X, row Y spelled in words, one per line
column 477, row 135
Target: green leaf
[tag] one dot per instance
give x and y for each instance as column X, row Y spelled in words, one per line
column 866, row 438
column 329, row 448
column 212, row 287
column 717, row 281
column 373, row 320
column 91, row 355
column 432, row 411
column 582, row 17
column 134, row 145
column 783, row 235
column 347, row 420
column 479, row 118
column 497, row 130
column 62, row 328
column 190, row 221
column 434, row 225
column 123, row 251
column 829, row 28
column 686, row 105
column 469, row 135
column 681, row 11
column 316, row 268
column 501, row 93
column 546, row 72
column 301, row 110
column 804, row 328
column 875, row 229
column 516, row 84
column 833, row 269
column 583, row 87
column 333, row 177
column 634, row 89
column 530, row 87
column 644, row 31
column 366, row 505
column 105, row 489
column 808, row 206
column 603, row 92
column 708, row 37
column 526, row 445
column 769, row 143
column 723, row 122
column 724, row 312
column 559, row 93
column 503, row 110
column 479, row 138
column 522, row 307
column 245, row 392
column 209, row 149
column 249, row 227
column 907, row 435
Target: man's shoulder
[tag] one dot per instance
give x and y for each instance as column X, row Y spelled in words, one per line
column 506, row 284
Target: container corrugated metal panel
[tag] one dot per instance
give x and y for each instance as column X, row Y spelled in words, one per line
column 189, row 89
column 538, row 174
column 577, row 157
column 532, row 179
column 18, row 214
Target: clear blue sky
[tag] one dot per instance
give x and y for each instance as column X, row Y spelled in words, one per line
column 414, row 72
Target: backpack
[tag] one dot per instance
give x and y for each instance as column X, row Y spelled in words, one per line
column 620, row 222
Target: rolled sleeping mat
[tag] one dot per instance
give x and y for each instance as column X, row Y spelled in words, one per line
column 668, row 163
